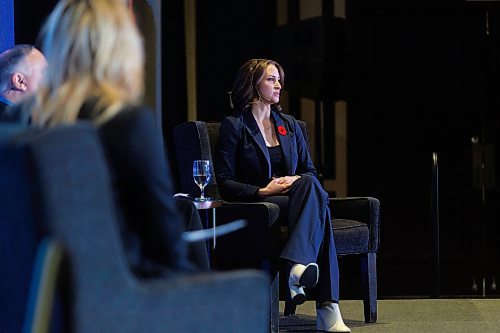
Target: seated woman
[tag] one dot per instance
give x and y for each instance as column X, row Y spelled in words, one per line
column 262, row 156
column 95, row 73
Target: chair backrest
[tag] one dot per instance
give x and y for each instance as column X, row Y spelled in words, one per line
column 9, row 129
column 18, row 237
column 73, row 203
column 195, row 140
column 68, row 192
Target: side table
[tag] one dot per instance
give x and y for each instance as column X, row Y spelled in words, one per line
column 206, row 205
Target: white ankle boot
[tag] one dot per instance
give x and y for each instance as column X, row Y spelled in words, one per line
column 302, row 276
column 329, row 319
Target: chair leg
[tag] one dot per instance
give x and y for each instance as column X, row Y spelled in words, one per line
column 369, row 285
column 289, row 308
column 275, row 311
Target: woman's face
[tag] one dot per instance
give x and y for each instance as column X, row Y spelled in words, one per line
column 270, row 86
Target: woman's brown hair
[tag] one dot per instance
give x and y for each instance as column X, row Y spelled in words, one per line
column 247, row 79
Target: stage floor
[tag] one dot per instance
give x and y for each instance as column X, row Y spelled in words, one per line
column 407, row 316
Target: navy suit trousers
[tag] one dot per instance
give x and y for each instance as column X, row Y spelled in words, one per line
column 305, row 210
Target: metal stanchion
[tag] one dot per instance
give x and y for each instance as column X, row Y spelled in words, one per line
column 435, row 226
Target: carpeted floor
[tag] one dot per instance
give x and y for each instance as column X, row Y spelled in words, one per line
column 407, row 316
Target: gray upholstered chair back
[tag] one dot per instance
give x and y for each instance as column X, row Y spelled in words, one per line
column 18, row 236
column 75, row 205
column 76, row 208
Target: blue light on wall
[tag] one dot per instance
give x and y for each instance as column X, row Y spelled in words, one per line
column 6, row 24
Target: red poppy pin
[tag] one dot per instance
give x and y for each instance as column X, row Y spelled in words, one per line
column 281, row 130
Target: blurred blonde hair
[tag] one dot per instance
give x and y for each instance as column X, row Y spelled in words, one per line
column 94, row 50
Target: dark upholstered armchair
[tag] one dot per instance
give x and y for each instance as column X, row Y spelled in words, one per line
column 58, row 180
column 247, row 248
column 356, row 232
column 355, row 223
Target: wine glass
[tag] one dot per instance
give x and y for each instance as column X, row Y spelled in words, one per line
column 201, row 175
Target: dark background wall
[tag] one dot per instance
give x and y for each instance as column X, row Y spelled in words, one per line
column 425, row 79
column 419, row 77
column 174, row 65
column 228, row 34
column 28, row 18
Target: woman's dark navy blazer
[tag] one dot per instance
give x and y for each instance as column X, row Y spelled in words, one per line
column 242, row 162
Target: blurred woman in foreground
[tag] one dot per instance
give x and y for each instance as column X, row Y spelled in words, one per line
column 96, row 72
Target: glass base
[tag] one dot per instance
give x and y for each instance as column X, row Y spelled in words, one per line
column 204, row 199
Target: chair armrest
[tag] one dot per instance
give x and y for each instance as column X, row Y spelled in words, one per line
column 236, row 301
column 261, row 210
column 362, row 209
column 250, row 247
